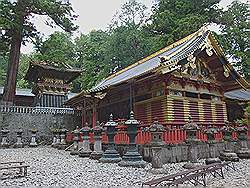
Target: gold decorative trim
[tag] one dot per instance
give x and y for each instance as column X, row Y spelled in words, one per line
column 200, row 110
column 213, row 110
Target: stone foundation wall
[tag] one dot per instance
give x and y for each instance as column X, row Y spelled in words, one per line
column 179, row 152
column 42, row 122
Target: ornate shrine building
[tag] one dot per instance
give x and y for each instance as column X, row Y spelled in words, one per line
column 51, row 82
column 187, row 78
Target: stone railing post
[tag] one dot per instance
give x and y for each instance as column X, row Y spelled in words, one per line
column 157, row 130
column 85, row 150
column 63, row 144
column 33, row 142
column 212, row 144
column 55, row 133
column 5, row 143
column 132, row 156
column 110, row 155
column 97, row 153
column 191, row 129
column 76, row 134
column 227, row 154
column 243, row 152
column 19, row 143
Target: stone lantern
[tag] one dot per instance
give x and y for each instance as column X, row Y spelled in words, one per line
column 85, row 150
column 19, row 143
column 210, row 132
column 33, row 142
column 227, row 154
column 63, row 144
column 97, row 153
column 110, row 155
column 132, row 157
column 191, row 129
column 76, row 138
column 243, row 152
column 157, row 130
column 4, row 142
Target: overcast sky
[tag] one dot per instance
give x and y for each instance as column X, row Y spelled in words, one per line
column 93, row 14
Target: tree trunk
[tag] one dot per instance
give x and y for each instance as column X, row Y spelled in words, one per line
column 10, row 84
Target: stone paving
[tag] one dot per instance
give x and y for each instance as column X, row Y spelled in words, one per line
column 52, row 167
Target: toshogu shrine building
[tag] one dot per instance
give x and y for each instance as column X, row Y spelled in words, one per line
column 186, row 78
column 51, row 82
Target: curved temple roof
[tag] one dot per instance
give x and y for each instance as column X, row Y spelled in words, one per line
column 172, row 54
column 240, row 94
column 176, row 51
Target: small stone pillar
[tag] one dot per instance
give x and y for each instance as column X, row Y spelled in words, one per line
column 54, row 132
column 110, row 155
column 157, row 130
column 97, row 153
column 132, row 156
column 227, row 154
column 33, row 142
column 19, row 143
column 85, row 150
column 58, row 138
column 62, row 144
column 4, row 142
column 76, row 139
column 191, row 129
column 210, row 132
column 243, row 152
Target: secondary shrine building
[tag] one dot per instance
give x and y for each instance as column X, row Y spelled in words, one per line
column 187, row 78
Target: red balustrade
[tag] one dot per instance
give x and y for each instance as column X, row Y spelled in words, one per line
column 234, row 135
column 175, row 136
column 201, row 136
column 105, row 138
column 121, row 138
column 218, row 136
column 91, row 137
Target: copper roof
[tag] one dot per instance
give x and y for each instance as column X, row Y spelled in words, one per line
column 51, row 70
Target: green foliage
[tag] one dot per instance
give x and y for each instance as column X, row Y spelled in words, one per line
column 90, row 51
column 174, row 19
column 131, row 35
column 235, row 36
column 16, row 27
column 57, row 48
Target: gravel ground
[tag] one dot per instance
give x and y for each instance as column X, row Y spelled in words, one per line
column 52, row 167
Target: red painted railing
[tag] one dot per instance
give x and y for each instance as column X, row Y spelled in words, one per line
column 173, row 136
column 201, row 136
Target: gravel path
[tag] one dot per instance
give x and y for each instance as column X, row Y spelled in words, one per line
column 52, row 167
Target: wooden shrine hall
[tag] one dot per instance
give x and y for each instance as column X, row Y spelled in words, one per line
column 186, row 78
column 51, row 82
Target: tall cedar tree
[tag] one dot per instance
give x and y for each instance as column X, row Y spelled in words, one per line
column 16, row 27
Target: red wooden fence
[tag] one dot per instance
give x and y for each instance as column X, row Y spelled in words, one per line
column 174, row 136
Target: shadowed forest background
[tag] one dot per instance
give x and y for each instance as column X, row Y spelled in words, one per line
column 134, row 33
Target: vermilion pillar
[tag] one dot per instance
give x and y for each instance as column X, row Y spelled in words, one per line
column 94, row 114
column 84, row 113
